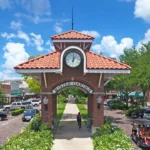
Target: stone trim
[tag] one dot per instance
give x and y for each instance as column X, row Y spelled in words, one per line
column 47, row 93
column 101, row 93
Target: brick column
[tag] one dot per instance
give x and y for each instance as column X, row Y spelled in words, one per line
column 54, row 105
column 90, row 106
column 50, row 109
column 90, row 111
column 98, row 114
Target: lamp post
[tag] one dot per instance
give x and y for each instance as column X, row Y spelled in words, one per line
column 99, row 101
column 45, row 101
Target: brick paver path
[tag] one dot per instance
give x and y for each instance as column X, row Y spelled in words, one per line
column 10, row 127
column 120, row 120
column 68, row 135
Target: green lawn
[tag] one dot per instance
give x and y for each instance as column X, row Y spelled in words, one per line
column 60, row 110
column 83, row 111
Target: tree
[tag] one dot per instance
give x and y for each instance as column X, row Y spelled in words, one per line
column 2, row 96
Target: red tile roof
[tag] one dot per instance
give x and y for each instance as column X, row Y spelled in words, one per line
column 52, row 61
column 95, row 61
column 72, row 35
column 48, row 61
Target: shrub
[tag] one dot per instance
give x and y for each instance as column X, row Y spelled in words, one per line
column 61, row 99
column 130, row 110
column 17, row 112
column 118, row 106
column 36, row 136
column 81, row 100
column 35, row 124
column 111, row 137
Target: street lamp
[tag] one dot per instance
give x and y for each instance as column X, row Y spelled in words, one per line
column 45, row 101
column 99, row 101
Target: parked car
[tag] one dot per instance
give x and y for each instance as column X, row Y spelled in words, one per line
column 3, row 115
column 111, row 102
column 146, row 114
column 14, row 105
column 28, row 104
column 138, row 113
column 139, row 140
column 29, row 114
column 35, row 102
column 106, row 101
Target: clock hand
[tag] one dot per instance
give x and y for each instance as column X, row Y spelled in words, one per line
column 73, row 57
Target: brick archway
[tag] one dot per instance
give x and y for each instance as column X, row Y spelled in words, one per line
column 93, row 70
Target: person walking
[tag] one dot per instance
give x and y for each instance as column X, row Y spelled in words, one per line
column 79, row 119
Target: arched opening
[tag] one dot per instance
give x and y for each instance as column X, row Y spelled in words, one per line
column 76, row 98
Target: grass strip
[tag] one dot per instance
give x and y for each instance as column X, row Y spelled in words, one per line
column 83, row 111
column 60, row 110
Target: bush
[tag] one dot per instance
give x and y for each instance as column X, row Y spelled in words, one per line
column 118, row 106
column 17, row 112
column 111, row 137
column 130, row 110
column 81, row 100
column 36, row 136
column 35, row 124
column 61, row 99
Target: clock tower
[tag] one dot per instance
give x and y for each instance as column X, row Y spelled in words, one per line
column 72, row 64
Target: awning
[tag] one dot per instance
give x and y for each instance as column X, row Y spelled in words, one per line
column 136, row 94
column 16, row 95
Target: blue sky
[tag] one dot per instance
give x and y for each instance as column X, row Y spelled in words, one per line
column 26, row 27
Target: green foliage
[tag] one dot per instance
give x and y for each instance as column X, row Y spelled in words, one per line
column 35, row 124
column 17, row 112
column 118, row 106
column 31, row 138
column 130, row 110
column 61, row 98
column 83, row 111
column 81, row 100
column 34, row 85
column 2, row 96
column 111, row 137
column 60, row 110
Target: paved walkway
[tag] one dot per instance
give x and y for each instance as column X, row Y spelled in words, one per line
column 68, row 135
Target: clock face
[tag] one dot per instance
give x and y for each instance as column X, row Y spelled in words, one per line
column 73, row 59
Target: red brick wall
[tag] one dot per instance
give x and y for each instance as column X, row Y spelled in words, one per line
column 6, row 88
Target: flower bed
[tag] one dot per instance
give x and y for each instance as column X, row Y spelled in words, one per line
column 111, row 137
column 17, row 112
column 36, row 136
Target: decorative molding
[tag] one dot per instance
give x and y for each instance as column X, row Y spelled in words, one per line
column 69, row 48
column 73, row 41
column 37, row 70
column 72, row 84
column 118, row 71
column 100, row 93
column 100, row 79
column 45, row 81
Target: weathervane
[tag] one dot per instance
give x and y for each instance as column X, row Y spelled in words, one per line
column 72, row 19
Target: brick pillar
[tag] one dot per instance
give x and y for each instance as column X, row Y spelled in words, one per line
column 98, row 114
column 54, row 105
column 50, row 109
column 90, row 106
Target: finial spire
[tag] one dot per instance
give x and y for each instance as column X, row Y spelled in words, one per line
column 72, row 19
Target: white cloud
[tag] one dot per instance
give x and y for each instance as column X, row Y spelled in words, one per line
column 23, row 35
column 34, row 19
column 92, row 33
column 51, row 47
column 110, row 47
column 16, row 25
column 142, row 10
column 97, row 48
column 5, row 4
column 14, row 53
column 38, row 41
column 145, row 40
column 20, row 34
column 36, row 7
column 8, row 36
column 58, row 28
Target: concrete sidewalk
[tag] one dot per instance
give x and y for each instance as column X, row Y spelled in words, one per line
column 68, row 135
